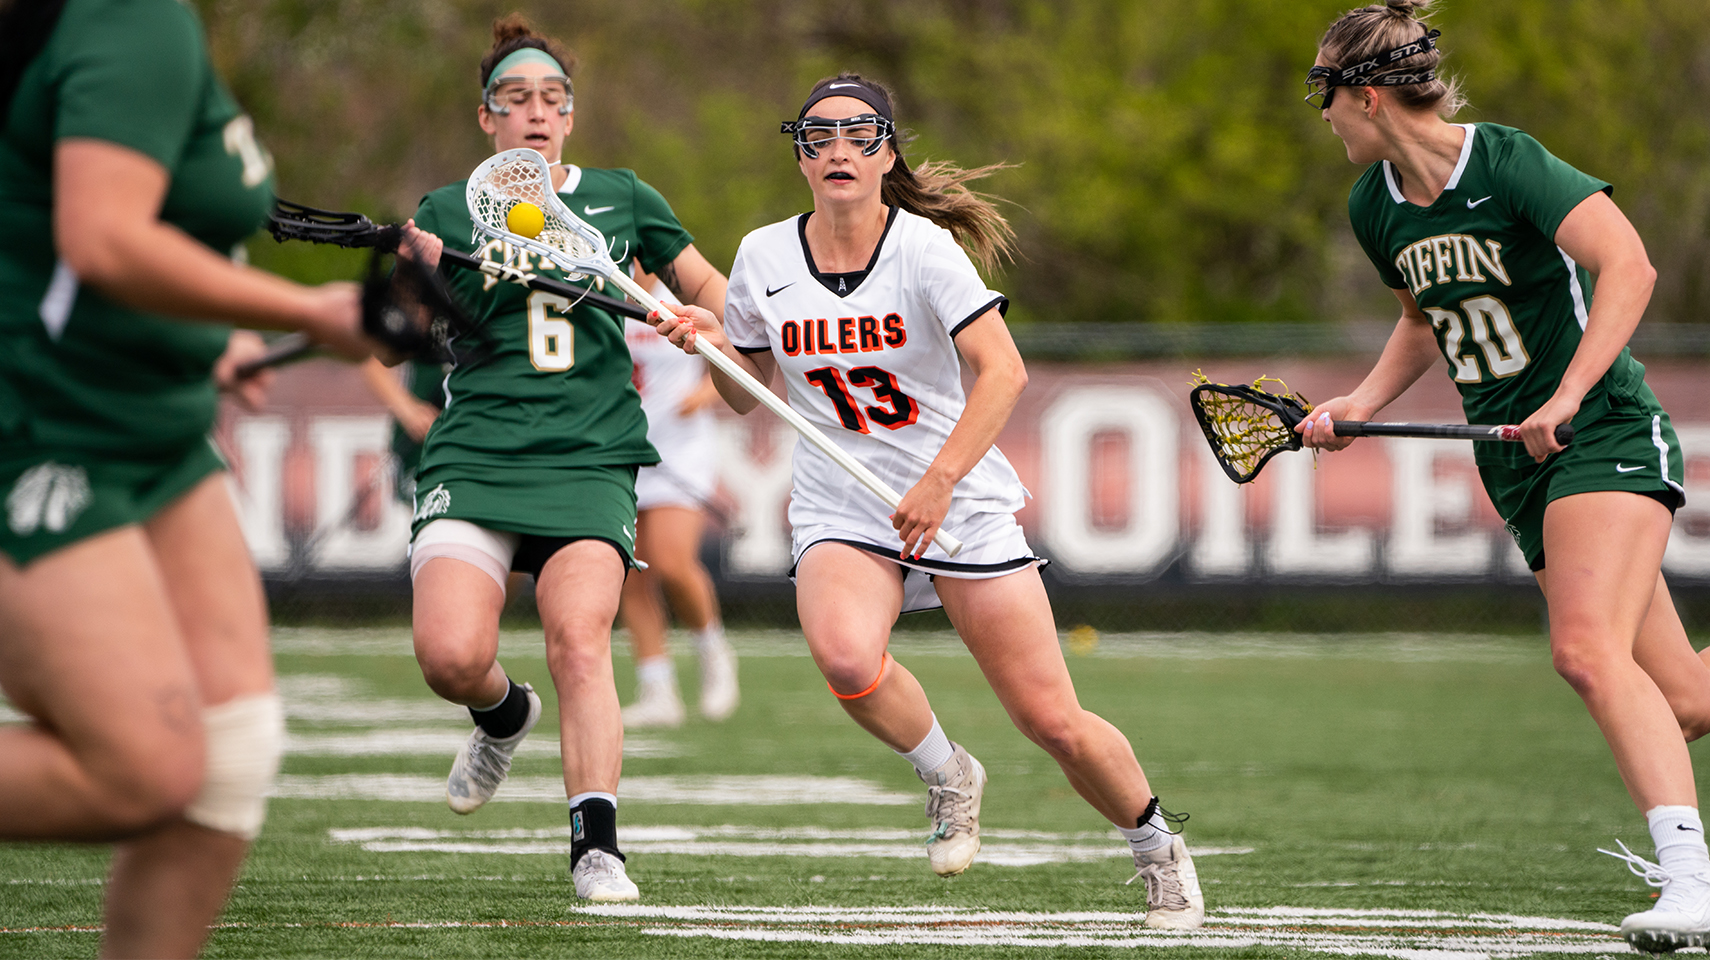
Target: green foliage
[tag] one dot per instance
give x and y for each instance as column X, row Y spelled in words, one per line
column 1165, row 168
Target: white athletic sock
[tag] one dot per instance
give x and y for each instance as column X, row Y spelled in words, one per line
column 576, row 801
column 708, row 636
column 1679, row 837
column 1154, row 834
column 931, row 753
column 655, row 671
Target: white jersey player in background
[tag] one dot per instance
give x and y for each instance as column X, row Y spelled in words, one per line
column 863, row 307
column 670, row 501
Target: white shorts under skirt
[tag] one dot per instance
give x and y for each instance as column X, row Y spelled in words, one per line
column 686, row 475
column 993, row 545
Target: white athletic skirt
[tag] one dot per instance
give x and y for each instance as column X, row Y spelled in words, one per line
column 687, row 474
column 993, row 545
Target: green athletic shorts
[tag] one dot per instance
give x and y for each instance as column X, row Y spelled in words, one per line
column 1631, row 448
column 56, row 497
column 555, row 503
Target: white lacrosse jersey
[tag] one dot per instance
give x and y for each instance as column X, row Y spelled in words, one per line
column 871, row 362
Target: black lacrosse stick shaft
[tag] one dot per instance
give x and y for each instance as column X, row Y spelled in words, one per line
column 1450, row 431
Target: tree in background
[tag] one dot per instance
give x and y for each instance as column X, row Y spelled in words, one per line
column 1167, row 169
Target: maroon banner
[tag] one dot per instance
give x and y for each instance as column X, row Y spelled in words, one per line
column 1124, row 487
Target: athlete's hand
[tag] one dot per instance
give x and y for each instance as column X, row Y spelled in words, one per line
column 420, row 246
column 690, row 323
column 417, row 418
column 251, row 391
column 921, row 513
column 335, row 320
column 1539, row 430
column 1316, row 431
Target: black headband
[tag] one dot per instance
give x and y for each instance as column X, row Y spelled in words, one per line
column 1356, row 75
column 845, row 87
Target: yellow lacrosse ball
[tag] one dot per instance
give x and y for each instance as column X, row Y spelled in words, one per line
column 525, row 220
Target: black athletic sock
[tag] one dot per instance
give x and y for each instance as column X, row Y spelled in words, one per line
column 593, row 826
column 508, row 717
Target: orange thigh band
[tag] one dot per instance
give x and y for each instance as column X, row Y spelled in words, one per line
column 884, row 661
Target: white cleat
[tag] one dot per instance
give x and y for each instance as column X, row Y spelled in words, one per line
column 485, row 761
column 1681, row 917
column 953, row 794
column 600, row 877
column 656, row 705
column 1173, row 897
column 719, row 693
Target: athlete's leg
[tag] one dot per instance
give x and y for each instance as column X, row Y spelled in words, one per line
column 847, row 600
column 1665, row 653
column 90, row 649
column 669, row 540
column 641, row 609
column 1007, row 624
column 578, row 597
column 167, row 886
column 455, row 620
column 1603, row 551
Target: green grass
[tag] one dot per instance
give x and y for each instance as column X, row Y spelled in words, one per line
column 1412, row 772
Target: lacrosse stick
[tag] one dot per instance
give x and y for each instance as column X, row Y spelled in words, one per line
column 1248, row 425
column 293, row 221
column 292, row 346
column 522, row 176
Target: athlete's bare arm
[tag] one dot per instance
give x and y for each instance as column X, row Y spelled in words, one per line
column 107, row 228
column 1411, row 351
column 1599, row 238
column 698, row 321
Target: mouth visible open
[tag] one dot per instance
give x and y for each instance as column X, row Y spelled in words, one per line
column 839, row 175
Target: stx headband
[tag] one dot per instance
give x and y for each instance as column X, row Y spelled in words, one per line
column 1325, row 80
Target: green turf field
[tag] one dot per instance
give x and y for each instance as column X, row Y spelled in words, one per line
column 1381, row 795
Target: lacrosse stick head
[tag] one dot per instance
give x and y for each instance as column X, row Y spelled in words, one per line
column 1246, row 425
column 523, row 176
column 414, row 313
column 294, row 221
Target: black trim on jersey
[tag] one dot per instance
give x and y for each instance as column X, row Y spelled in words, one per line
column 743, row 349
column 1000, row 301
column 853, row 279
column 925, row 566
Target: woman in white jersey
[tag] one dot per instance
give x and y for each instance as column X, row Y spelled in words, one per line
column 863, row 305
column 670, row 516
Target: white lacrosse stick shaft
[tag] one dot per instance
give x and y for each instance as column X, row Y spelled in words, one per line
column 538, row 189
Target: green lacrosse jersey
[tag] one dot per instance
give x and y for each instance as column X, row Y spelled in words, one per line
column 1507, row 304
column 556, row 388
column 78, row 370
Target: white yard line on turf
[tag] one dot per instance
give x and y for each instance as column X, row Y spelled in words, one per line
column 446, row 743
column 1401, row 934
column 715, row 790
column 741, row 841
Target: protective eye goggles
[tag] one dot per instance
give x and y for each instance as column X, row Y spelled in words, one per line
column 505, row 93
column 1323, row 81
column 867, row 133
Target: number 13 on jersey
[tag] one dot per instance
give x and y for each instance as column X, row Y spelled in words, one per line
column 900, row 410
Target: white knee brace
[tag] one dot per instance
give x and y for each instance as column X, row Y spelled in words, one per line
column 246, row 739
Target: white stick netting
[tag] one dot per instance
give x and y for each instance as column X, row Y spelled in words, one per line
column 520, row 180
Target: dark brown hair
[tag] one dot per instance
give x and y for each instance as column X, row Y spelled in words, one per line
column 511, row 33
column 936, row 190
column 1362, row 34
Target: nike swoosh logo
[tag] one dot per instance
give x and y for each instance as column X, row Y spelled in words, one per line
column 1621, row 469
column 1682, row 826
column 771, row 292
column 590, row 211
column 1474, row 203
column 840, row 86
